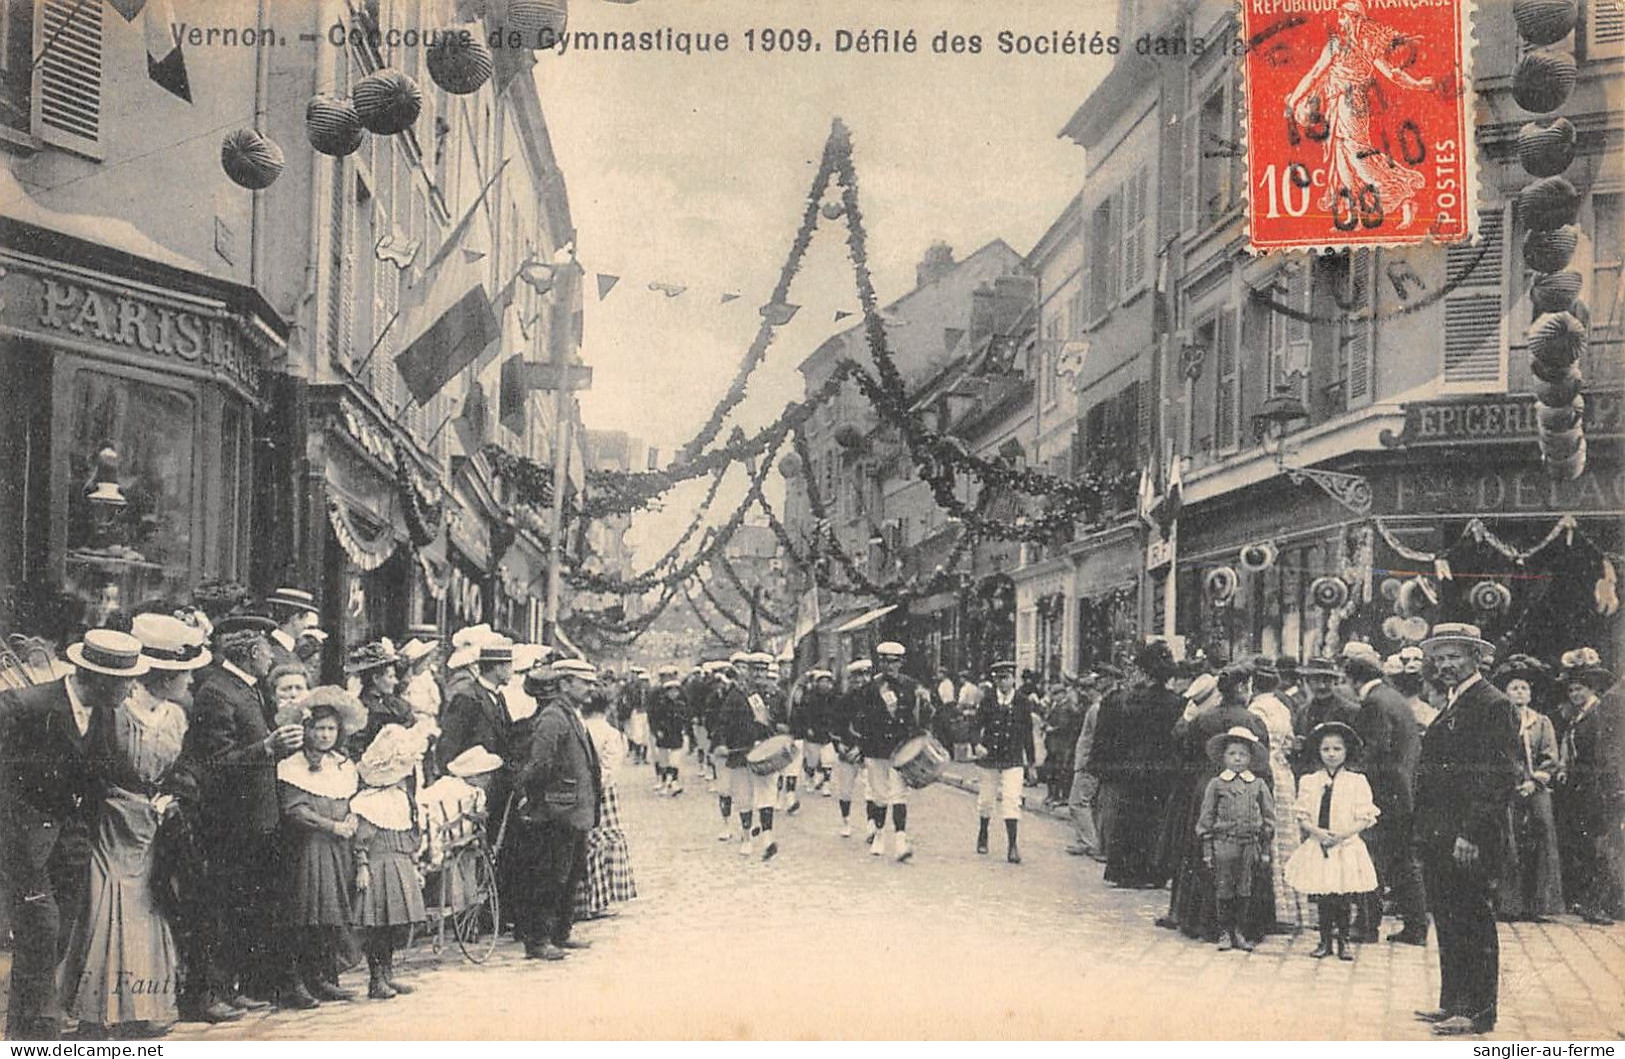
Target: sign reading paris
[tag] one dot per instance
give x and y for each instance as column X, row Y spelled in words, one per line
column 1356, row 122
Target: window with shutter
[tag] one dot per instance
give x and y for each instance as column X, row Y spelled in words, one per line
column 1604, row 30
column 338, row 290
column 67, row 88
column 1358, row 296
column 1135, row 237
column 1474, row 334
column 1226, row 381
column 1607, row 233
column 1103, row 275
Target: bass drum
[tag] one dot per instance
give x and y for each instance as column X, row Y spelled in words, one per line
column 771, row 755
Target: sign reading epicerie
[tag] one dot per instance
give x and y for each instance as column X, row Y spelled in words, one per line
column 1356, row 123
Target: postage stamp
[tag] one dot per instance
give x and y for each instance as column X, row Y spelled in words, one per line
column 1356, row 122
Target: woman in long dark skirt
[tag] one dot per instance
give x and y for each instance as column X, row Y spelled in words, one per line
column 1132, row 754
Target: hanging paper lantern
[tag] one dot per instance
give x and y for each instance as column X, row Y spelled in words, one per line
column 1393, row 627
column 1416, row 629
column 1558, row 391
column 1563, row 417
column 1390, row 588
column 1545, row 21
column 1329, row 592
column 1554, row 292
column 1256, row 558
column 1551, row 249
column 1543, row 80
column 251, row 159
column 388, row 102
column 1570, row 468
column 332, row 126
column 1546, row 147
column 790, row 466
column 1490, row 597
column 1556, row 341
column 1547, row 203
column 832, row 210
column 543, row 19
column 1561, row 444
column 1220, row 585
column 459, row 61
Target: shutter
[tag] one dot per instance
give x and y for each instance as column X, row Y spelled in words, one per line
column 1474, row 337
column 1134, row 194
column 338, row 294
column 1114, row 251
column 67, row 88
column 1086, row 274
column 1604, row 29
column 1142, row 420
column 1357, row 341
column 1225, row 382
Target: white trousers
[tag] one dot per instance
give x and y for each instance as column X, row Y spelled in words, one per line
column 1002, row 786
column 846, row 779
column 886, row 786
column 816, row 755
column 750, row 791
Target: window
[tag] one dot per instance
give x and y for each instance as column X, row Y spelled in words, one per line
column 1607, row 247
column 1046, row 361
column 1359, row 294
column 1603, row 32
column 1135, row 230
column 236, row 499
column 67, row 83
column 1218, row 156
column 1199, row 377
column 1104, row 254
column 120, row 555
column 1474, row 338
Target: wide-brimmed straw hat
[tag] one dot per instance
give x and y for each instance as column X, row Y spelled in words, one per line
column 393, row 754
column 1203, row 690
column 1448, row 632
column 369, row 656
column 1258, row 756
column 329, row 698
column 293, row 599
column 415, row 650
column 1584, row 666
column 111, row 653
column 169, row 643
column 474, row 761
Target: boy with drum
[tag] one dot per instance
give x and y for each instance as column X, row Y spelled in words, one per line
column 843, row 744
column 892, row 713
column 745, row 721
column 1002, row 733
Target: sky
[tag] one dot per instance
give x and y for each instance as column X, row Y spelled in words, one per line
column 693, row 170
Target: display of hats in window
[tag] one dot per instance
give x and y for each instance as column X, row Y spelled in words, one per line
column 1258, row 556
column 1550, row 202
column 251, row 159
column 1545, row 148
column 1543, row 80
column 1555, row 292
column 332, row 125
column 1329, row 592
column 1393, row 627
column 1220, row 584
column 387, row 101
column 1549, row 249
column 1545, row 21
column 459, row 61
column 1490, row 597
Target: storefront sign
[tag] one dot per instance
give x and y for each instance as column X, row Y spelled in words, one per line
column 1160, row 550
column 1502, row 490
column 1490, row 419
column 54, row 307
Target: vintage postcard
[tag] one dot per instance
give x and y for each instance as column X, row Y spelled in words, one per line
column 701, row 520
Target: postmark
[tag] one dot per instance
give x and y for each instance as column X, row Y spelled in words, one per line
column 1356, row 123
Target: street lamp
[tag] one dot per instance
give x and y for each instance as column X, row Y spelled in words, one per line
column 1283, row 408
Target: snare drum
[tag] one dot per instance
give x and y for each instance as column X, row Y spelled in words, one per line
column 920, row 761
column 771, row 755
column 852, row 755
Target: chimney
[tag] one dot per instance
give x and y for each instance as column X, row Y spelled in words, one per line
column 937, row 262
column 1012, row 296
column 983, row 311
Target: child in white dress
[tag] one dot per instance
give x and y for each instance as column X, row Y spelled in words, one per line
column 1334, row 806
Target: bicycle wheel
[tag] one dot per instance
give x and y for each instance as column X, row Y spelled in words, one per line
column 478, row 923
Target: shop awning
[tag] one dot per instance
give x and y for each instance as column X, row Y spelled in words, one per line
column 866, row 618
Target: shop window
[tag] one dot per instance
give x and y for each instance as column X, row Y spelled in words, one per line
column 131, row 454
column 236, row 501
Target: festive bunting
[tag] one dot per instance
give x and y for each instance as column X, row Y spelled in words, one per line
column 670, row 290
column 841, row 314
column 606, row 283
column 728, row 297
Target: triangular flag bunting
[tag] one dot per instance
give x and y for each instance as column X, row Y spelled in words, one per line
column 778, row 313
column 670, row 290
column 606, row 283
column 726, row 298
column 165, row 63
column 841, row 314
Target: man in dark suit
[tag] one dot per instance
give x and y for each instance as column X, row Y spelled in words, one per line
column 1002, row 735
column 1465, row 779
column 476, row 715
column 235, row 754
column 561, row 788
column 891, row 712
column 47, row 800
column 294, row 611
column 1388, row 727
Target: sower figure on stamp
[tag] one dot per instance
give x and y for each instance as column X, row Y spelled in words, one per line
column 560, row 787
column 1464, row 782
column 46, row 801
column 1003, row 737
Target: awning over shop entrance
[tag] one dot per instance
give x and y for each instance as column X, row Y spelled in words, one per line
column 866, row 618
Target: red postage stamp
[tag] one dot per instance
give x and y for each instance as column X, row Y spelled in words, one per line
column 1357, row 131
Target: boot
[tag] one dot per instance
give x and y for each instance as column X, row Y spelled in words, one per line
column 1013, row 855
column 1227, row 932
column 1343, row 951
column 981, row 835
column 1324, row 949
column 297, row 998
column 394, row 983
column 377, row 987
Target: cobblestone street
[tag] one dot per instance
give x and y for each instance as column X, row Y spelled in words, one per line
column 826, row 941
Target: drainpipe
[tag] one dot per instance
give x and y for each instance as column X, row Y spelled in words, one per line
column 262, row 78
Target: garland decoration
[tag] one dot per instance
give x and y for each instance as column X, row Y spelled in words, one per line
column 766, row 616
column 716, row 604
column 703, row 620
column 366, row 552
column 425, row 501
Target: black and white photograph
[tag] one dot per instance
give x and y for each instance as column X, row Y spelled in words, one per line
column 812, row 520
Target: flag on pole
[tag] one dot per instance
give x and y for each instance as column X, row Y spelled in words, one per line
column 1147, row 493
column 1162, row 309
column 1172, row 501
column 166, row 65
column 806, row 613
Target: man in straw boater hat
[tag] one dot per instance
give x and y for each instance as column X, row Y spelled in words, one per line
column 561, row 790
column 1464, row 783
column 294, row 611
column 235, row 752
column 1002, row 734
column 889, row 716
column 476, row 713
column 1590, row 794
column 47, row 790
